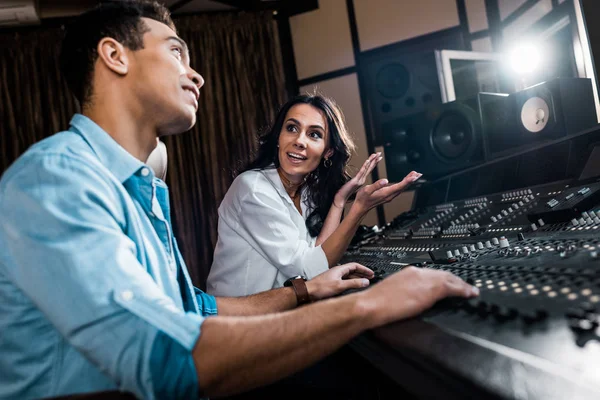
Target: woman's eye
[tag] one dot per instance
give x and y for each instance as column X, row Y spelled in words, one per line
column 292, row 128
column 178, row 51
column 316, row 135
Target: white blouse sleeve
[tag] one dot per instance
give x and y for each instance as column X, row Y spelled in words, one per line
column 266, row 224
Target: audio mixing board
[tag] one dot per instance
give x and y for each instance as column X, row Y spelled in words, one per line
column 534, row 254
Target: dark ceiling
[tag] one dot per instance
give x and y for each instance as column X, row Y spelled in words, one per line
column 68, row 8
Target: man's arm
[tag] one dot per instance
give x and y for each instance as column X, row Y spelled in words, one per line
column 330, row 283
column 234, row 354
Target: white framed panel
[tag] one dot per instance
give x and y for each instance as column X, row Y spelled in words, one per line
column 344, row 91
column 382, row 22
column 321, row 39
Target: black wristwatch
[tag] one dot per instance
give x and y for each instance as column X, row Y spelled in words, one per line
column 299, row 284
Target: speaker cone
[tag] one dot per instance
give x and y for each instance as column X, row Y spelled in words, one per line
column 452, row 135
column 535, row 114
column 393, row 81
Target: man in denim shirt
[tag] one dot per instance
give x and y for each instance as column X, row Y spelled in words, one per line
column 94, row 293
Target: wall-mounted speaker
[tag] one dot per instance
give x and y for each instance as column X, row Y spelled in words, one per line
column 555, row 108
column 499, row 126
column 402, row 79
column 444, row 138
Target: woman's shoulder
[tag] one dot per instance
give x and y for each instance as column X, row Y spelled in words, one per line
column 253, row 180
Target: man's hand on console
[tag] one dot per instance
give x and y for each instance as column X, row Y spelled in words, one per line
column 411, row 291
column 337, row 280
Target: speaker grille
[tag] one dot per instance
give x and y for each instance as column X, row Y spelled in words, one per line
column 393, row 81
column 452, row 136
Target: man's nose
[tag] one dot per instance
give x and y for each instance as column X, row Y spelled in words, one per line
column 196, row 78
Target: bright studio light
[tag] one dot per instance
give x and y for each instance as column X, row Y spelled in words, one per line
column 524, row 59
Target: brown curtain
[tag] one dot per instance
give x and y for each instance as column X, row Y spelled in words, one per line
column 34, row 99
column 238, row 55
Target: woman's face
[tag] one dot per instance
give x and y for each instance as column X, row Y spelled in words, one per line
column 302, row 141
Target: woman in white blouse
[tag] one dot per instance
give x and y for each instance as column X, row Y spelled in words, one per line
column 282, row 217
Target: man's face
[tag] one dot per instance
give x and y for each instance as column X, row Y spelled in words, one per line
column 164, row 85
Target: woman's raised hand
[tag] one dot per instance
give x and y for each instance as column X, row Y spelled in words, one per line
column 342, row 196
column 380, row 192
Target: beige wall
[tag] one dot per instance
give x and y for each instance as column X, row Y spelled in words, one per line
column 476, row 15
column 381, row 22
column 321, row 39
column 507, row 7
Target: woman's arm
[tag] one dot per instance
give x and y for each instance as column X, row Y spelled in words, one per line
column 368, row 197
column 337, row 207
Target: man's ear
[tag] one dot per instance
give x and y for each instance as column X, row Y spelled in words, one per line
column 113, row 55
column 328, row 153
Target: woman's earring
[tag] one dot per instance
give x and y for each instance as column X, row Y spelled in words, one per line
column 327, row 163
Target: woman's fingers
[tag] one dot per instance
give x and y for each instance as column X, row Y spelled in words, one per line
column 368, row 167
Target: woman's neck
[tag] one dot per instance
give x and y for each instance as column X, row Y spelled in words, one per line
column 292, row 188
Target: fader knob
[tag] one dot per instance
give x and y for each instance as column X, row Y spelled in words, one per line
column 503, row 242
column 495, row 241
column 589, row 221
column 472, row 247
column 530, row 316
column 479, row 245
column 488, row 245
column 582, row 325
column 465, row 250
column 574, row 222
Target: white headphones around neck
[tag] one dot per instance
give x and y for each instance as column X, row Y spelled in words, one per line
column 157, row 160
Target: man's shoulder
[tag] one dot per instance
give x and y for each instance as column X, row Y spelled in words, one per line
column 61, row 149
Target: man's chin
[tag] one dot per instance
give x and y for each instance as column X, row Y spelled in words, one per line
column 180, row 126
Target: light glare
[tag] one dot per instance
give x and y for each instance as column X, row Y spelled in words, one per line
column 525, row 58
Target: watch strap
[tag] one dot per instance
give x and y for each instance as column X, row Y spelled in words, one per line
column 301, row 290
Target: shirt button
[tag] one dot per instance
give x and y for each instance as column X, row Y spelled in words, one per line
column 127, row 295
column 145, row 172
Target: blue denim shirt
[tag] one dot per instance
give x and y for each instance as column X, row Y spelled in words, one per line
column 94, row 293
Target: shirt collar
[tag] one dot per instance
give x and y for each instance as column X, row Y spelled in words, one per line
column 272, row 175
column 111, row 154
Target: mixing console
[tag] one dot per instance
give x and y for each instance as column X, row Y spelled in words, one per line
column 535, row 256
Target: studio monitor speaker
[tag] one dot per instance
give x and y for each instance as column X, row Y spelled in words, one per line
column 444, row 138
column 555, row 108
column 402, row 79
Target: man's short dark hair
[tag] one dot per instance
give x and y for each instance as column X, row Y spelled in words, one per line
column 120, row 20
